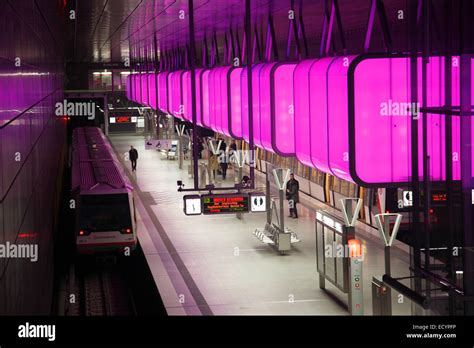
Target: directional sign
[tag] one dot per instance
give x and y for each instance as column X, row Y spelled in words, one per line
column 258, row 202
column 192, row 205
column 225, row 203
column 407, row 198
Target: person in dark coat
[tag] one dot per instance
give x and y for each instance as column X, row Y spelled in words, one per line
column 133, row 155
column 223, row 159
column 292, row 195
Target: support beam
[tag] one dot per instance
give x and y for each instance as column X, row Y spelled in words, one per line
column 248, row 31
column 192, row 62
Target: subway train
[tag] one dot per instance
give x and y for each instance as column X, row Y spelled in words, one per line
column 105, row 216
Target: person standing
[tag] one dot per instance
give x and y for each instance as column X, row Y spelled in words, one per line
column 133, row 155
column 223, row 159
column 292, row 195
column 213, row 164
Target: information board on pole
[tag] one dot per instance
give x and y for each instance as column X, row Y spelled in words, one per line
column 225, row 203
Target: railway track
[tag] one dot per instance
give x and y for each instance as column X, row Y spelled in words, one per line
column 100, row 290
column 106, row 293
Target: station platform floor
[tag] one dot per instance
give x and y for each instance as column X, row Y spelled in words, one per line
column 214, row 265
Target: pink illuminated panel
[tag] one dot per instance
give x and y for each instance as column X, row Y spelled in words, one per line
column 255, row 104
column 318, row 114
column 235, row 100
column 152, row 90
column 265, row 88
column 205, row 98
column 382, row 117
column 301, row 94
column 175, row 103
column 338, row 120
column 223, row 118
column 163, row 91
column 144, row 89
column 218, row 104
column 128, row 87
column 214, row 98
column 283, row 114
column 187, row 97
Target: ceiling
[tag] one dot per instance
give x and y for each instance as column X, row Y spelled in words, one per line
column 106, row 30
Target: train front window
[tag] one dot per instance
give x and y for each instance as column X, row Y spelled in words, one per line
column 105, row 213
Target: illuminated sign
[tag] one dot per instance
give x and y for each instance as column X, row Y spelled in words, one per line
column 225, row 204
column 122, row 119
column 438, row 197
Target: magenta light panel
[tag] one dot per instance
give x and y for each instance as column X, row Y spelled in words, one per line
column 163, row 91
column 144, row 89
column 255, row 104
column 152, row 90
column 175, row 103
column 382, row 113
column 282, row 109
column 265, row 107
column 205, row 98
column 187, row 96
column 235, row 102
column 302, row 123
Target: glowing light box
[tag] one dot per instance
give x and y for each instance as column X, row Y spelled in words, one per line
column 163, row 91
column 381, row 115
column 282, row 109
column 302, row 111
column 235, row 102
column 187, row 96
column 175, row 103
column 144, row 89
column 255, row 104
column 205, row 98
column 152, row 90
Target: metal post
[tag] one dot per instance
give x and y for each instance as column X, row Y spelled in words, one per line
column 267, row 193
column 282, row 210
column 248, row 35
column 388, row 268
column 449, row 149
column 426, row 158
column 192, row 61
column 412, row 38
column 466, row 181
column 106, row 115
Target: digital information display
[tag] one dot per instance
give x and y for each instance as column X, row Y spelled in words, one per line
column 225, row 204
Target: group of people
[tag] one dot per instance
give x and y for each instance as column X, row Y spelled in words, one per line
column 221, row 160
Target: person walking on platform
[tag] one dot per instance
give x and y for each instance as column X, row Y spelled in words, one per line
column 133, row 155
column 223, row 158
column 213, row 164
column 292, row 195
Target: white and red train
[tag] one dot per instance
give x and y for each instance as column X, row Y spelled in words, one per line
column 105, row 217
